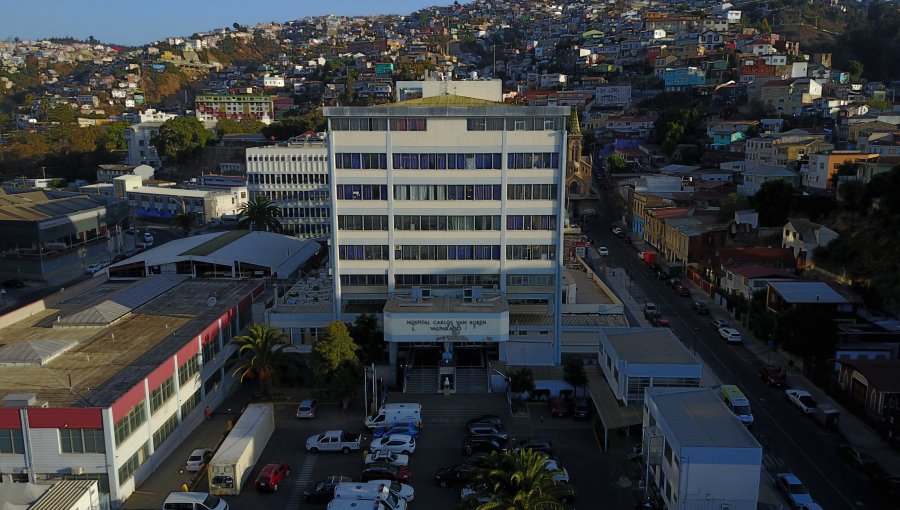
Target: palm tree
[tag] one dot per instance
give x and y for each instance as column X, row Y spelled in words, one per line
column 259, row 213
column 264, row 357
column 185, row 221
column 517, row 480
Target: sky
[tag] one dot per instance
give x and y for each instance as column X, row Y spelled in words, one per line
column 137, row 22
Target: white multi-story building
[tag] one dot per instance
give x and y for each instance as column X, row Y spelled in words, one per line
column 166, row 202
column 448, row 217
column 139, row 135
column 697, row 453
column 294, row 175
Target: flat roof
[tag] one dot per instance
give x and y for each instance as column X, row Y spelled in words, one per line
column 697, row 417
column 649, row 345
column 807, row 292
column 586, row 290
column 40, row 205
column 108, row 361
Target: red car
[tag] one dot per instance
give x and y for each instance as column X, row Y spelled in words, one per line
column 559, row 407
column 682, row 291
column 384, row 471
column 271, row 476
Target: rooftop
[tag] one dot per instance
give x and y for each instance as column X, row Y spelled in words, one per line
column 649, row 345
column 107, row 359
column 43, row 205
column 699, row 418
column 491, row 303
column 444, row 101
column 807, row 292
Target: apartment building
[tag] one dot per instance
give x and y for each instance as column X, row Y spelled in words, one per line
column 448, row 220
column 294, row 176
column 213, row 107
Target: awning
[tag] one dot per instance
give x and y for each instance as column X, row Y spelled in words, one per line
column 613, row 415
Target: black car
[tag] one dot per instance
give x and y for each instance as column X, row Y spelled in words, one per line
column 673, row 282
column 491, row 419
column 700, row 308
column 485, row 429
column 474, row 444
column 661, row 275
column 450, row 476
column 538, row 444
column 13, row 283
column 323, row 490
column 582, row 410
column 857, row 457
column 654, row 267
column 384, row 471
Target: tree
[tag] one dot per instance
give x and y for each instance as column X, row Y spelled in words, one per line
column 773, row 202
column 517, row 480
column 365, row 333
column 521, row 381
column 733, row 202
column 334, row 362
column 807, row 331
column 293, row 126
column 181, row 137
column 184, row 221
column 112, row 138
column 617, row 164
column 261, row 355
column 846, row 169
column 573, row 373
column 259, row 214
column 856, row 70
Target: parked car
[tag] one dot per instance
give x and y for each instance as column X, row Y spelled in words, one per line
column 653, row 267
column 559, row 407
column 659, row 321
column 472, row 444
column 322, row 491
column 333, row 441
column 537, row 444
column 604, row 251
column 12, row 283
column 661, row 275
column 148, row 237
column 198, row 459
column 307, row 408
column 553, row 464
column 700, row 308
column 271, row 476
column 649, row 310
column 793, row 489
column 717, row 324
column 673, row 282
column 398, row 443
column 396, row 459
column 803, row 400
column 386, row 472
column 731, row 335
column 616, row 230
column 682, row 291
column 449, row 476
column 93, row 268
column 493, row 419
column 858, row 457
column 485, row 429
column 582, row 410
column 409, row 429
column 401, row 490
column 773, row 375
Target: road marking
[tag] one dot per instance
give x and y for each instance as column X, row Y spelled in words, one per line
column 300, row 482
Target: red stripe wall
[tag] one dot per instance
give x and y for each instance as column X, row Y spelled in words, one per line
column 159, row 376
column 188, row 351
column 60, row 418
column 10, row 419
column 127, row 401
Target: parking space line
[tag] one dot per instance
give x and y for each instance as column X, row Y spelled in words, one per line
column 300, row 482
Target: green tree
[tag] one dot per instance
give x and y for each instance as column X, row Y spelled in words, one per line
column 184, row 221
column 856, row 70
column 259, row 214
column 181, row 137
column 521, row 381
column 853, row 196
column 293, row 126
column 574, row 374
column 231, row 127
column 334, row 362
column 517, row 480
column 617, row 164
column 370, row 339
column 261, row 355
column 112, row 138
column 63, row 123
column 732, row 203
column 807, row 331
column 773, row 202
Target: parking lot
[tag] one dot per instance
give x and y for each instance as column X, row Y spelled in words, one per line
column 600, row 480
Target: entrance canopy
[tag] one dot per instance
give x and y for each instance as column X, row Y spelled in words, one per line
column 446, row 319
column 612, row 414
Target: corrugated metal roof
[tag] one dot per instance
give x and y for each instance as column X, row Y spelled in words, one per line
column 122, row 302
column 63, row 495
column 807, row 292
column 34, row 352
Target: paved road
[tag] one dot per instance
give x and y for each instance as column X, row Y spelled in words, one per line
column 791, row 441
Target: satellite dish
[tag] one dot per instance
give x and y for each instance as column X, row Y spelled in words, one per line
column 211, row 301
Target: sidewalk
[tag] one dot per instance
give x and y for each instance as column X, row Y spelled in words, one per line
column 850, row 427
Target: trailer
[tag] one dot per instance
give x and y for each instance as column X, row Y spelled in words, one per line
column 234, row 460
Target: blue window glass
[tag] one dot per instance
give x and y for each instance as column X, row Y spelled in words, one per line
column 461, row 161
column 384, row 192
column 479, row 161
column 555, row 160
column 340, row 192
column 495, row 252
column 382, row 161
column 396, row 160
column 413, row 162
column 355, row 161
column 498, row 161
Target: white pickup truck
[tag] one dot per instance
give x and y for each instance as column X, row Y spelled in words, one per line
column 333, row 441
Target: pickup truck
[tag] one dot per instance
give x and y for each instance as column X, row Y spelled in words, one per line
column 333, row 441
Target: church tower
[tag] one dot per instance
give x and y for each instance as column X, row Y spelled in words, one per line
column 578, row 168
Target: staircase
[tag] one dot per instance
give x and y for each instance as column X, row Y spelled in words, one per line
column 471, row 380
column 422, row 380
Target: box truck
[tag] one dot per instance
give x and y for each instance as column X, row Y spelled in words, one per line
column 389, row 414
column 235, row 458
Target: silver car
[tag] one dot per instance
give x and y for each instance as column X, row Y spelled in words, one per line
column 307, row 408
column 198, row 459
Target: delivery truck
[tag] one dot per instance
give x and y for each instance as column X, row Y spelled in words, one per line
column 390, row 414
column 231, row 465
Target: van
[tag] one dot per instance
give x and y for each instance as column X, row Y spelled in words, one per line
column 738, row 403
column 390, row 414
column 369, row 491
column 353, row 504
column 193, row 501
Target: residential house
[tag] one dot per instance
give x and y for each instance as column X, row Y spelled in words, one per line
column 683, row 78
column 782, row 148
column 787, row 95
column 756, row 175
column 612, row 96
column 628, row 126
column 817, row 174
column 712, row 39
column 784, row 295
column 724, row 133
column 635, row 359
column 881, row 143
column 803, row 237
column 644, row 200
column 872, row 386
column 106, row 173
column 747, row 279
column 698, row 454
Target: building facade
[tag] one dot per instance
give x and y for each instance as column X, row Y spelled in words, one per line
column 236, row 107
column 448, row 216
column 294, row 176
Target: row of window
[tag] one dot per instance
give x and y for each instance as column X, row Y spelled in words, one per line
column 12, row 441
column 363, row 252
column 319, row 195
column 306, row 212
column 162, row 394
column 360, row 161
column 130, row 466
column 531, row 252
column 531, row 222
column 362, row 192
column 515, row 124
column 362, row 222
column 285, row 178
column 512, row 280
column 189, row 369
column 81, row 441
column 127, row 425
column 532, row 160
column 472, row 124
column 448, row 252
column 416, row 222
column 447, row 192
column 447, row 280
column 462, row 161
column 531, row 192
column 165, row 430
column 284, row 157
column 359, row 124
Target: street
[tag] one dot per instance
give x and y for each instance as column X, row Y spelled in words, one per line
column 791, row 441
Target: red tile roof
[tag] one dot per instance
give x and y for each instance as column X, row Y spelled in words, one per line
column 758, row 271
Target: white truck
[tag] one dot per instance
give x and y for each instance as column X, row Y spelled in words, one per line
column 234, row 460
column 333, row 441
column 389, row 414
column 369, row 492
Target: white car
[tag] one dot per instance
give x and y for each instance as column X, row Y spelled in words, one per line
column 198, row 459
column 616, row 230
column 793, row 489
column 397, row 459
column 803, row 400
column 604, row 252
column 148, row 238
column 402, row 490
column 93, row 268
column 731, row 335
column 397, row 443
column 553, row 465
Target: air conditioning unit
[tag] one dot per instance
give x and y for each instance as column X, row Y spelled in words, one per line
column 77, row 470
column 477, row 293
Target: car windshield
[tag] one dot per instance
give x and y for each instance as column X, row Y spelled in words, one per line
column 797, row 488
column 742, row 410
column 194, row 457
column 808, row 401
column 392, row 500
column 211, row 501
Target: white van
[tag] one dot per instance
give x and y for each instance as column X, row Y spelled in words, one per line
column 368, row 492
column 353, row 504
column 194, row 501
column 390, row 414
